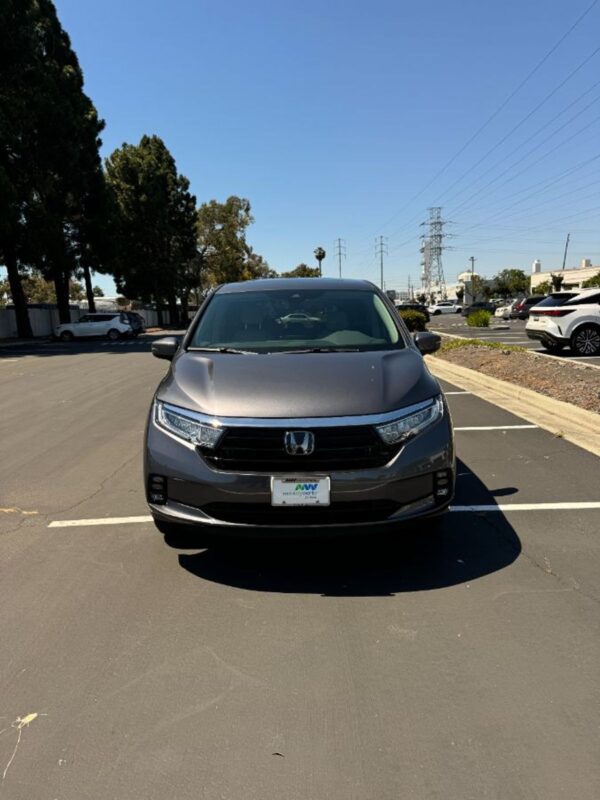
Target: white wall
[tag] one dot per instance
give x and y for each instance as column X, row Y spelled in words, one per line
column 43, row 321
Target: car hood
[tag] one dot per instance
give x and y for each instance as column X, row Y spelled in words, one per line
column 297, row 385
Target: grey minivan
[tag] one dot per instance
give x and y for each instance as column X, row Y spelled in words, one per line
column 297, row 404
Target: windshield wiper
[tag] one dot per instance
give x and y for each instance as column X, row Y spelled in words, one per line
column 233, row 350
column 323, row 350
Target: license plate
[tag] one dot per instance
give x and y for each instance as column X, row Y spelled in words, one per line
column 300, row 491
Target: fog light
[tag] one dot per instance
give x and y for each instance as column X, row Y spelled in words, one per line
column 441, row 483
column 157, row 489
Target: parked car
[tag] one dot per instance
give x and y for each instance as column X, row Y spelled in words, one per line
column 574, row 322
column 337, row 424
column 503, row 311
column 523, row 305
column 422, row 309
column 113, row 325
column 138, row 323
column 444, row 307
column 479, row 306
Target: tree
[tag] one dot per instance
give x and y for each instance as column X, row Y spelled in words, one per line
column 422, row 298
column 302, row 271
column 542, row 288
column 320, row 255
column 97, row 292
column 223, row 252
column 38, row 290
column 476, row 286
column 557, row 281
column 460, row 293
column 49, row 162
column 591, row 282
column 153, row 223
column 511, row 282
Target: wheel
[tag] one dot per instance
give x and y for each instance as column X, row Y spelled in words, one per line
column 586, row 341
column 435, row 313
column 66, row 336
column 113, row 334
column 552, row 347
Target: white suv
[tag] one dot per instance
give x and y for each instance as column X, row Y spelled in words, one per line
column 574, row 322
column 112, row 324
column 444, row 307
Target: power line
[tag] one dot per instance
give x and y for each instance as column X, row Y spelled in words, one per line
column 533, row 164
column 500, row 108
column 521, row 122
column 520, row 160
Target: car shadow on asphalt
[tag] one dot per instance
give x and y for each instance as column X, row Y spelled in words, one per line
column 413, row 557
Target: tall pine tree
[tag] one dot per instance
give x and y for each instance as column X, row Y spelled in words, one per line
column 50, row 169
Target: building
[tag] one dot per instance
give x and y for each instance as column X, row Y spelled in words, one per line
column 573, row 276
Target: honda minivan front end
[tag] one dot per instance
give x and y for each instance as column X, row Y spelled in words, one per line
column 294, row 404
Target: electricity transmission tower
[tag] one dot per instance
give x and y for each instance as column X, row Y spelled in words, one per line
column 432, row 248
column 340, row 250
column 381, row 250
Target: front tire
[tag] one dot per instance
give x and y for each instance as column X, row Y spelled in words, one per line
column 586, row 341
column 66, row 336
column 113, row 335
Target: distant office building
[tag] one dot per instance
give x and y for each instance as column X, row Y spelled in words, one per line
column 573, row 276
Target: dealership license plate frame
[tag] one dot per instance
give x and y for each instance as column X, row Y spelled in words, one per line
column 284, row 491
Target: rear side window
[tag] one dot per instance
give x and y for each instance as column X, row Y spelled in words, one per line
column 586, row 301
column 556, row 299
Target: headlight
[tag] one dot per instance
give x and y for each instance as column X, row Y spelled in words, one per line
column 410, row 425
column 187, row 425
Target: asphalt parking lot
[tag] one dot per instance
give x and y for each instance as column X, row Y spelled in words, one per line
column 503, row 331
column 372, row 668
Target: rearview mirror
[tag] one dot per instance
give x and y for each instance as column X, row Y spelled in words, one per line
column 165, row 347
column 427, row 342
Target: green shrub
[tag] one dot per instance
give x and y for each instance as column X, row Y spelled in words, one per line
column 414, row 320
column 455, row 344
column 479, row 319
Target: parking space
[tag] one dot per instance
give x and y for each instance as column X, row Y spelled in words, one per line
column 501, row 331
column 157, row 667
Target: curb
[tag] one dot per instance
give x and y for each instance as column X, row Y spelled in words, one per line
column 574, row 424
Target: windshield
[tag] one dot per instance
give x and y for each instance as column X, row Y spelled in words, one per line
column 291, row 320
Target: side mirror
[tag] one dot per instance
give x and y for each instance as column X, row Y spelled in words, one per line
column 165, row 347
column 427, row 342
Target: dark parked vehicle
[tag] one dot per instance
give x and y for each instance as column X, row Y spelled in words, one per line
column 414, row 307
column 294, row 404
column 482, row 306
column 522, row 307
column 138, row 323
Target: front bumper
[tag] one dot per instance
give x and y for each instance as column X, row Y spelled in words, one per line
column 403, row 489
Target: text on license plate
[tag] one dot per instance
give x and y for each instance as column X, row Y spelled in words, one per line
column 300, row 491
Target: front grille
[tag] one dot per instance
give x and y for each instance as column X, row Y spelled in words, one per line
column 262, row 450
column 335, row 514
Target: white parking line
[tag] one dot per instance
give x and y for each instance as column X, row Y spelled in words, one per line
column 495, row 427
column 447, row 393
column 475, row 509
column 529, row 507
column 76, row 523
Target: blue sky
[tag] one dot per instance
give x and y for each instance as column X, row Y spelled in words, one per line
column 332, row 118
